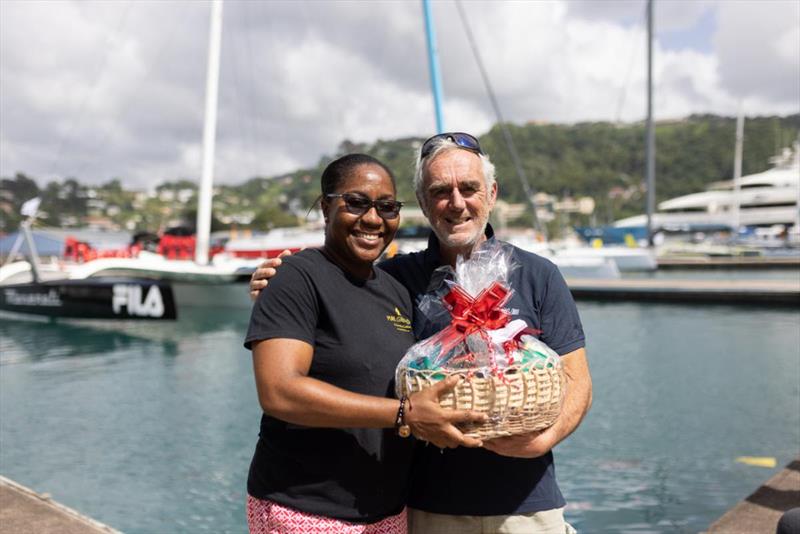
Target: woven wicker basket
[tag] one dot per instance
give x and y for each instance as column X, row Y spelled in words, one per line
column 529, row 399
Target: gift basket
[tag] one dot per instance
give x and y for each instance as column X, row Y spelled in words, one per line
column 506, row 372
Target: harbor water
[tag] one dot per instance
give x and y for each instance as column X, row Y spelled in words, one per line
column 151, row 430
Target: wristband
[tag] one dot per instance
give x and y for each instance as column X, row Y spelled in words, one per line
column 403, row 430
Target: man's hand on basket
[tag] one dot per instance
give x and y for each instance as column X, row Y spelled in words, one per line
column 576, row 404
column 260, row 277
column 531, row 445
column 430, row 422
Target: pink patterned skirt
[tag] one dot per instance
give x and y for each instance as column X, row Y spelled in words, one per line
column 268, row 517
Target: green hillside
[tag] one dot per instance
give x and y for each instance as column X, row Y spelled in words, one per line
column 601, row 160
column 591, row 159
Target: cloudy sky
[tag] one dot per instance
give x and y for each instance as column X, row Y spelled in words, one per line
column 115, row 88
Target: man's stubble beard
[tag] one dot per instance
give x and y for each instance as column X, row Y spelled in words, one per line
column 468, row 244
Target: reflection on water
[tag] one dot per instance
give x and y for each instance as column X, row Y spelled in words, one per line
column 25, row 339
column 146, row 426
column 150, row 427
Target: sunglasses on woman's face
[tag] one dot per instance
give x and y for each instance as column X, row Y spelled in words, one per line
column 359, row 205
column 463, row 140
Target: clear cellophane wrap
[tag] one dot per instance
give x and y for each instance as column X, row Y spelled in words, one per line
column 506, row 371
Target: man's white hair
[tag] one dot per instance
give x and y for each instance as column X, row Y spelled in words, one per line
column 440, row 145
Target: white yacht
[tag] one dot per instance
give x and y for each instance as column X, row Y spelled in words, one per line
column 765, row 199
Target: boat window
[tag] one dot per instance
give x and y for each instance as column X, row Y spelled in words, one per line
column 685, row 210
column 768, row 205
column 751, row 186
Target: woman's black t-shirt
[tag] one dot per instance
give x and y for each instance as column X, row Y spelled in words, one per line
column 360, row 329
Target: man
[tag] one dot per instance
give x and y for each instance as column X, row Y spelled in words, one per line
column 509, row 485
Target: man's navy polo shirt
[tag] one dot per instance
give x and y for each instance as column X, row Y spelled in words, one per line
column 466, row 481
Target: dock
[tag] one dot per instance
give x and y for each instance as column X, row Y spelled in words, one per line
column 724, row 262
column 761, row 511
column 764, row 292
column 23, row 511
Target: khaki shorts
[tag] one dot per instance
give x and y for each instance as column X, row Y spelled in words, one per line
column 546, row 522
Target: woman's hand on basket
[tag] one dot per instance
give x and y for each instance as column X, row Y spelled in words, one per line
column 260, row 277
column 530, row 445
column 430, row 422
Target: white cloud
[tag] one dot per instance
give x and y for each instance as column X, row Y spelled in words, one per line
column 111, row 88
column 758, row 45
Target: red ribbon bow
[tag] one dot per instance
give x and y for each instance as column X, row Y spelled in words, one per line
column 473, row 315
column 477, row 315
column 482, row 312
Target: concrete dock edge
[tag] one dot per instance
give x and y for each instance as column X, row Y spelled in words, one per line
column 760, row 511
column 760, row 292
column 23, row 511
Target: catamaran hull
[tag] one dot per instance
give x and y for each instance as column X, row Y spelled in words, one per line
column 108, row 298
column 193, row 286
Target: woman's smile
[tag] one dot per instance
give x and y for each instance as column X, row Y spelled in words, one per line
column 355, row 237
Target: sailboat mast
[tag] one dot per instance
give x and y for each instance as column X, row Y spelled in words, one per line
column 796, row 148
column 737, row 170
column 650, row 150
column 433, row 65
column 34, row 256
column 512, row 149
column 209, row 136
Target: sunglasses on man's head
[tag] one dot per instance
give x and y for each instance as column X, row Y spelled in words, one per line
column 463, row 140
column 359, row 205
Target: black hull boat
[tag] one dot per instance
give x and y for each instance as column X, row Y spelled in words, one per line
column 98, row 298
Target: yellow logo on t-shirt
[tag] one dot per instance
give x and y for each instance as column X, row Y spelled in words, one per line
column 402, row 324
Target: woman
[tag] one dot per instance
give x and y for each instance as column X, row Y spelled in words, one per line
column 326, row 336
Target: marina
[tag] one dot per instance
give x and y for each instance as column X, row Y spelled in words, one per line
column 127, row 401
column 164, row 418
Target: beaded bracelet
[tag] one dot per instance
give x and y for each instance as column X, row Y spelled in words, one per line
column 403, row 430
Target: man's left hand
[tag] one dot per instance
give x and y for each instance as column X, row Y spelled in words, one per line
column 530, row 445
column 577, row 401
